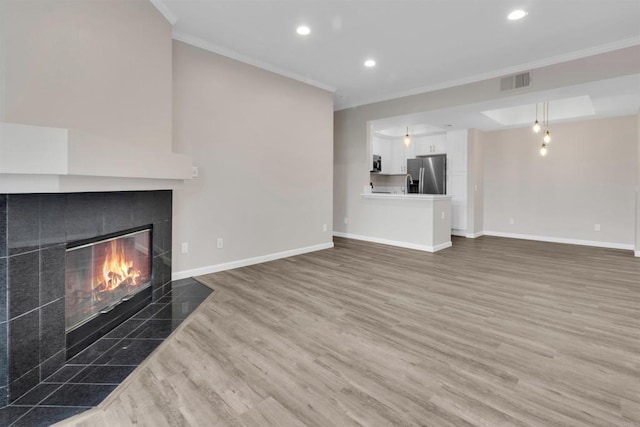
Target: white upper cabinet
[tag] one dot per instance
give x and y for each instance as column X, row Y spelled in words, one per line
column 439, row 143
column 422, row 146
column 380, row 147
column 394, row 154
column 409, row 153
column 457, row 150
column 430, row 144
column 397, row 162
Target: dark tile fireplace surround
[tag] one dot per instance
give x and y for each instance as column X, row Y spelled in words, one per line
column 34, row 232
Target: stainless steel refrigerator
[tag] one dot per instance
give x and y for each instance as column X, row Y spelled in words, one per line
column 429, row 174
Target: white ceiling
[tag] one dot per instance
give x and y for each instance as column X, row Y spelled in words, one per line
column 419, row 45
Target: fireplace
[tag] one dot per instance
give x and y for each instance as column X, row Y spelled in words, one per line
column 38, row 232
column 102, row 278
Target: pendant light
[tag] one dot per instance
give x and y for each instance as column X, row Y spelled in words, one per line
column 545, row 122
column 407, row 138
column 536, row 124
column 547, row 134
column 543, row 150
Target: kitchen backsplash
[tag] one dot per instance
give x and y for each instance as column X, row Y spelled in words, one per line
column 393, row 184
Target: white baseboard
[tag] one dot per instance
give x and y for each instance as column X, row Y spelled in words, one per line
column 463, row 233
column 474, row 235
column 441, row 246
column 249, row 261
column 560, row 240
column 637, row 253
column 406, row 245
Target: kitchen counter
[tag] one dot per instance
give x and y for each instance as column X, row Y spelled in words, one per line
column 415, row 221
column 411, row 196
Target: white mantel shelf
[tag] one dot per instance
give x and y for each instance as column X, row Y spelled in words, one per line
column 37, row 159
column 405, row 196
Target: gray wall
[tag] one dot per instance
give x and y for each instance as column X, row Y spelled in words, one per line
column 263, row 146
column 588, row 178
column 351, row 161
column 101, row 69
column 104, row 70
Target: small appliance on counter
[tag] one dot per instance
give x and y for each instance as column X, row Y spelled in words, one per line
column 377, row 163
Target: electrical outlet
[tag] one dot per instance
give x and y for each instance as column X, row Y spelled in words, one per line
column 596, row 227
column 184, row 248
column 346, row 220
column 220, row 242
column 324, row 227
column 512, row 221
column 194, row 172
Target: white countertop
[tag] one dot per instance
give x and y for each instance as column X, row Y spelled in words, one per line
column 405, row 196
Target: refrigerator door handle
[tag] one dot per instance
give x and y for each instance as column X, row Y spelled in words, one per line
column 421, row 190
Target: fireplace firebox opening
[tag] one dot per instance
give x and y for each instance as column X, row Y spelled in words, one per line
column 107, row 279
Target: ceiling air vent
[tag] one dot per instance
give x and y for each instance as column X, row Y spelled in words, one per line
column 516, row 81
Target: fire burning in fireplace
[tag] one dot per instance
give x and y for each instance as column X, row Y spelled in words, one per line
column 117, row 271
column 102, row 274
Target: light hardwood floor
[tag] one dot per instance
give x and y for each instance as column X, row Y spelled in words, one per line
column 491, row 332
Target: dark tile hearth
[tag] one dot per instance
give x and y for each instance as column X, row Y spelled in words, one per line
column 129, row 352
column 88, row 395
column 37, row 394
column 125, row 328
column 10, row 414
column 42, row 416
column 103, row 374
column 35, row 230
column 64, row 374
column 85, row 380
column 91, row 353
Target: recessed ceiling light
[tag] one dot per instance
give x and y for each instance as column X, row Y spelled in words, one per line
column 303, row 30
column 369, row 63
column 517, row 14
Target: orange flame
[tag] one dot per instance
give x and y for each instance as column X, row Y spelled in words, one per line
column 116, row 270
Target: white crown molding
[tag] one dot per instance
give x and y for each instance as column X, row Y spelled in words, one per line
column 584, row 53
column 549, row 239
column 406, row 245
column 203, row 44
column 165, row 11
column 248, row 261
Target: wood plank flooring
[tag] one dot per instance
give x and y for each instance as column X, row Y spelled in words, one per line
column 491, row 332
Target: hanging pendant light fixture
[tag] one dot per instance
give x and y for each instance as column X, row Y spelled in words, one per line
column 536, row 124
column 546, row 139
column 547, row 134
column 543, row 150
column 407, row 138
